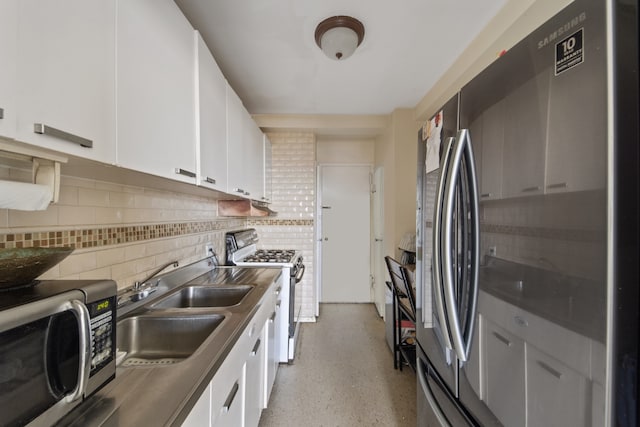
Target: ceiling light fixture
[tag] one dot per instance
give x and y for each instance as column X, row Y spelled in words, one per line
column 339, row 36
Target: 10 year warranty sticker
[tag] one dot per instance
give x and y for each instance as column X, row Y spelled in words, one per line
column 570, row 52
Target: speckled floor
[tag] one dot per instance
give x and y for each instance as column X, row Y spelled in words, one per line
column 343, row 375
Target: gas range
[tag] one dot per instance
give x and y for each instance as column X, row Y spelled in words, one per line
column 242, row 251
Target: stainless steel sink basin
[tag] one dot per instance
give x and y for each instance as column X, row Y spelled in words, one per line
column 152, row 340
column 205, row 296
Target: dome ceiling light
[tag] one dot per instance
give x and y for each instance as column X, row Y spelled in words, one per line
column 339, row 36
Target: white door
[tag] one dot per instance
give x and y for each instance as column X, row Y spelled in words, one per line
column 377, row 251
column 346, row 233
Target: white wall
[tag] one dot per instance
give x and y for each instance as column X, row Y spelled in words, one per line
column 345, row 151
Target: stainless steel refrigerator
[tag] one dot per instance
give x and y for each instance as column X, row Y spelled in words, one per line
column 527, row 264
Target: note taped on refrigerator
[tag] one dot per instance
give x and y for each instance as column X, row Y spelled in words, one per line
column 434, row 132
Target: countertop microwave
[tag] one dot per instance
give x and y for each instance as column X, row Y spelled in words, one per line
column 57, row 347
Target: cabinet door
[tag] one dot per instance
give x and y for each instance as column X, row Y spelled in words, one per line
column 273, row 355
column 236, row 116
column 66, row 78
column 254, row 381
column 525, row 113
column 491, row 152
column 230, row 412
column 504, row 374
column 556, row 394
column 200, row 415
column 254, row 155
column 268, row 170
column 577, row 153
column 8, row 75
column 212, row 120
column 156, row 89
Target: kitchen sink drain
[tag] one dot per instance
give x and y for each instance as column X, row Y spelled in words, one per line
column 134, row 361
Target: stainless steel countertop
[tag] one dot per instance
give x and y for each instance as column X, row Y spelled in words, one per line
column 573, row 303
column 164, row 395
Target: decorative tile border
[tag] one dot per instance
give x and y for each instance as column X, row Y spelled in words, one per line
column 545, row 233
column 280, row 222
column 540, row 232
column 106, row 236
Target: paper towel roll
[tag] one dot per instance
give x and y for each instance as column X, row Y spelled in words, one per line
column 24, row 196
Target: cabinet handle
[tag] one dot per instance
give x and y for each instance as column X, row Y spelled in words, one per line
column 278, row 290
column 520, row 321
column 503, row 339
column 43, row 129
column 530, row 189
column 273, row 317
column 558, row 185
column 256, row 348
column 229, row 401
column 1, row 113
column 246, row 193
column 185, row 172
column 239, row 190
column 485, row 195
column 210, row 180
column 549, row 369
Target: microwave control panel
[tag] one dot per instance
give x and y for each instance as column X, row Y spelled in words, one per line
column 103, row 315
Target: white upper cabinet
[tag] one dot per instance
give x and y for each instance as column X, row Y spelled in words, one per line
column 236, row 120
column 525, row 139
column 156, row 89
column 211, row 112
column 65, row 82
column 245, row 151
column 268, row 170
column 254, row 153
column 8, row 53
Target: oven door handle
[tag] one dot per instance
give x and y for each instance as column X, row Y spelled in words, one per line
column 300, row 273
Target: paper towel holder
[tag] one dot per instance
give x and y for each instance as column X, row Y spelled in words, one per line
column 45, row 167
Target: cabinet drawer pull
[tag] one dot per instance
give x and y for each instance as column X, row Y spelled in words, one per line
column 485, row 195
column 229, row 401
column 43, row 129
column 549, row 369
column 256, row 348
column 503, row 339
column 210, row 180
column 1, row 113
column 530, row 189
column 185, row 172
column 273, row 317
column 238, row 190
column 558, row 185
column 246, row 193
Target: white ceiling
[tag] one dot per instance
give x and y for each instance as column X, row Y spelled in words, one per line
column 267, row 50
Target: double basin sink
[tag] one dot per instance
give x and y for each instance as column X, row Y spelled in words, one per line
column 172, row 327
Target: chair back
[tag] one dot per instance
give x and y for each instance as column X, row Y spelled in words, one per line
column 401, row 281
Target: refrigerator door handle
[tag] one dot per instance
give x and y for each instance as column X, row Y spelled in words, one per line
column 453, row 175
column 474, row 203
column 436, row 268
column 422, row 379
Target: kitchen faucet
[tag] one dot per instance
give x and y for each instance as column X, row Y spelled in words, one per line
column 138, row 284
column 139, row 291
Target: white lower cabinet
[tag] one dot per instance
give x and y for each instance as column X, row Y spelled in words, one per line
column 254, row 380
column 227, row 403
column 556, row 394
column 537, row 373
column 273, row 354
column 235, row 396
column 505, row 374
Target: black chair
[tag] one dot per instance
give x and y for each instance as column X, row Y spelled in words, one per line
column 404, row 310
